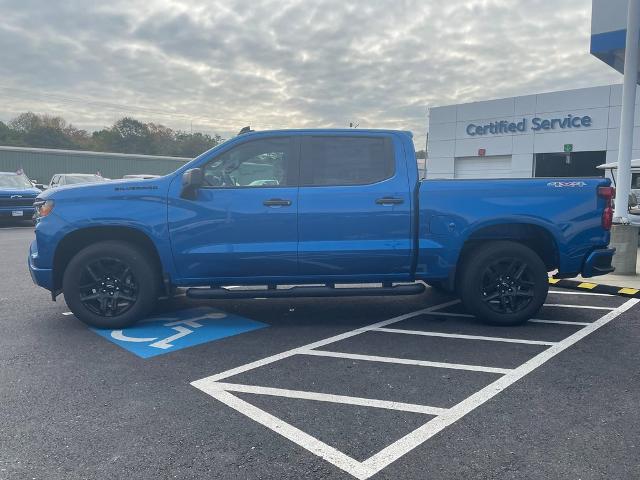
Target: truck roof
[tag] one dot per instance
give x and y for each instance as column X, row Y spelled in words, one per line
column 327, row 130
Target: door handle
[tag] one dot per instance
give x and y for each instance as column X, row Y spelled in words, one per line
column 389, row 201
column 276, row 202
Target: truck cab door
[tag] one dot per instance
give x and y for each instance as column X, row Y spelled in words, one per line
column 354, row 214
column 243, row 222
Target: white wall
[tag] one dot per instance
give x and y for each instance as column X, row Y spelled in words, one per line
column 448, row 138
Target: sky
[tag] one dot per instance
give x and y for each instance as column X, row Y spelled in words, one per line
column 216, row 66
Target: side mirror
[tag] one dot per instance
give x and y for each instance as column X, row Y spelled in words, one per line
column 192, row 180
column 40, row 186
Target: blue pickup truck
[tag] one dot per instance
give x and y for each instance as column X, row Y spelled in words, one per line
column 17, row 195
column 316, row 208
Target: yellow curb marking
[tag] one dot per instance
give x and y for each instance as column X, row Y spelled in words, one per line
column 629, row 291
column 587, row 285
column 554, row 280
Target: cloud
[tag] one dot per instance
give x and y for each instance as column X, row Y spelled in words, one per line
column 284, row 64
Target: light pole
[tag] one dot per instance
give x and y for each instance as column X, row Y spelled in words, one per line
column 625, row 147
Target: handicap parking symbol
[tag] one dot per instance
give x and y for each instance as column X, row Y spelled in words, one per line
column 177, row 330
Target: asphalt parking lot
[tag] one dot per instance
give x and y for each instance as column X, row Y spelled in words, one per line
column 404, row 387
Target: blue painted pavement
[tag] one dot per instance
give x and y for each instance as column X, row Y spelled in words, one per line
column 177, row 330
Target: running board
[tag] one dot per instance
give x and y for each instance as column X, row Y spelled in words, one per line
column 224, row 293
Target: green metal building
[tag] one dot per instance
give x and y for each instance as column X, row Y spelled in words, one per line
column 42, row 163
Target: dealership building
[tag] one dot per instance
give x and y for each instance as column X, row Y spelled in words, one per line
column 555, row 134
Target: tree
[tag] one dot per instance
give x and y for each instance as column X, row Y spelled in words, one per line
column 8, row 136
column 44, row 130
column 193, row 144
column 127, row 135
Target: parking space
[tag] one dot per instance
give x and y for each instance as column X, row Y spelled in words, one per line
column 416, row 384
column 409, row 387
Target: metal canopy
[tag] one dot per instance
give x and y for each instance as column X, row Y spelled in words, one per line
column 608, row 31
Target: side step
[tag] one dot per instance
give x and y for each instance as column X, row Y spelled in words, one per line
column 302, row 291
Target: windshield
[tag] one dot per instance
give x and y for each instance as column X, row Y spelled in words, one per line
column 76, row 179
column 14, row 181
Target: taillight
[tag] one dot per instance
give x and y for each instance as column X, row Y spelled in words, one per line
column 608, row 193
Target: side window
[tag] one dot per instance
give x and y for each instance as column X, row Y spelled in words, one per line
column 54, row 180
column 259, row 163
column 346, row 160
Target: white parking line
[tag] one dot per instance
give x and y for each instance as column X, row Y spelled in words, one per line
column 571, row 292
column 464, row 337
column 371, row 466
column 211, row 388
column 297, row 436
column 558, row 322
column 394, row 451
column 589, row 307
column 405, row 361
column 533, row 320
column 319, row 343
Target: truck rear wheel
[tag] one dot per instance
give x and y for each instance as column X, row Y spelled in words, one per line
column 110, row 284
column 504, row 283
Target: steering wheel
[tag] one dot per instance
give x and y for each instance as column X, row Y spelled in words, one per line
column 227, row 180
column 213, row 180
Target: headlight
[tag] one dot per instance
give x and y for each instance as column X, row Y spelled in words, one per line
column 43, row 207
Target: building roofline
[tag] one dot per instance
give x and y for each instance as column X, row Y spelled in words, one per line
column 524, row 95
column 56, row 151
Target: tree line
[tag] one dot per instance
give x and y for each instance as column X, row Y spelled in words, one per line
column 127, row 135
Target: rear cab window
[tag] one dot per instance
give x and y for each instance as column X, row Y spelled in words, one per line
column 344, row 160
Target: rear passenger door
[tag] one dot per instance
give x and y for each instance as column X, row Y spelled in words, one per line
column 354, row 208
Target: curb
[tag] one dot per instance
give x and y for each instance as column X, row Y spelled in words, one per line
column 595, row 287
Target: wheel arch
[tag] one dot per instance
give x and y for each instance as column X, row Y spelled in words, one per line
column 534, row 236
column 76, row 240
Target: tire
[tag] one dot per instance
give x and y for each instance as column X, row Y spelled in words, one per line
column 503, row 283
column 110, row 270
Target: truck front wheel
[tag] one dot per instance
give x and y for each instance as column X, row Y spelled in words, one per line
column 110, row 284
column 503, row 283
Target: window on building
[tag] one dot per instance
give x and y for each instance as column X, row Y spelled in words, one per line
column 346, row 160
column 574, row 164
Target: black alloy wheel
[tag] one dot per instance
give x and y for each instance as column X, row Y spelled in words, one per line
column 111, row 284
column 107, row 287
column 503, row 282
column 507, row 285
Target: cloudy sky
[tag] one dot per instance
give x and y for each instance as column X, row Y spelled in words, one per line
column 220, row 65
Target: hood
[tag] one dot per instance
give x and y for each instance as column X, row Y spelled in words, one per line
column 107, row 189
column 25, row 192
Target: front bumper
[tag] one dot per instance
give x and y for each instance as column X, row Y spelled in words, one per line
column 598, row 262
column 27, row 212
column 42, row 277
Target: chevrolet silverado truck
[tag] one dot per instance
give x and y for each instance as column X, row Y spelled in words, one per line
column 326, row 211
column 17, row 195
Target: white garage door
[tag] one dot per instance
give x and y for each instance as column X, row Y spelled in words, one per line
column 483, row 167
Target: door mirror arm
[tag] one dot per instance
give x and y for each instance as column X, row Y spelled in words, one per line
column 192, row 180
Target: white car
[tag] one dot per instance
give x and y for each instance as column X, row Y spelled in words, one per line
column 61, row 179
column 610, row 172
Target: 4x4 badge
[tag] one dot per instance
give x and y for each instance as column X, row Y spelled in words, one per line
column 566, row 184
